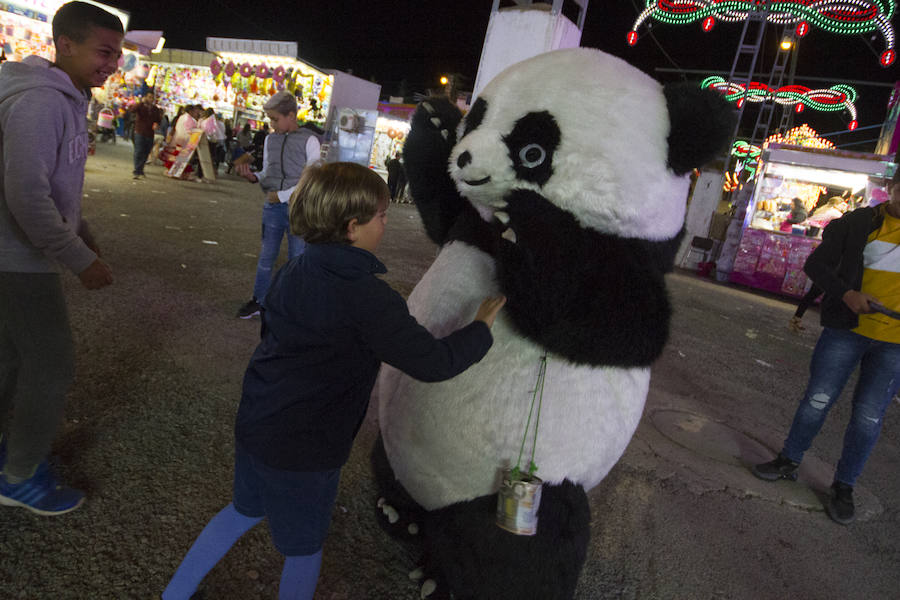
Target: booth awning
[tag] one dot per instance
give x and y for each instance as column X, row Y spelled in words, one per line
column 145, row 41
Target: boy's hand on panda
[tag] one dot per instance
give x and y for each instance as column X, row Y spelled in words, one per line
column 488, row 310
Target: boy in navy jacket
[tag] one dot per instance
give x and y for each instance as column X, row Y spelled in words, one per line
column 328, row 323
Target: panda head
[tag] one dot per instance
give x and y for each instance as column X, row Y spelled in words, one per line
column 593, row 135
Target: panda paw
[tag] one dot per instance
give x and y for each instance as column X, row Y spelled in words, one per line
column 434, row 123
column 399, row 524
column 525, row 214
column 429, row 588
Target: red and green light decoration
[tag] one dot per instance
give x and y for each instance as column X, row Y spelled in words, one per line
column 834, row 16
column 837, row 97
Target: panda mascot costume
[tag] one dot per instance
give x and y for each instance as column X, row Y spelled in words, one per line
column 563, row 189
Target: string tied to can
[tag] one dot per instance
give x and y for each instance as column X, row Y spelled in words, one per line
column 519, row 496
column 537, row 397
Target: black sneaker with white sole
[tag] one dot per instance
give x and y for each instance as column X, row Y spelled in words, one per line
column 780, row 468
column 249, row 310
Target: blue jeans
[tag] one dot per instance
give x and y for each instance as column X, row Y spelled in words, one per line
column 837, row 353
column 275, row 224
column 142, row 147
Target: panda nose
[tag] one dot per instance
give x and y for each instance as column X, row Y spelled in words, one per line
column 464, row 159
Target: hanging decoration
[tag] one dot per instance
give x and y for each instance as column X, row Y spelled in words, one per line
column 246, row 70
column 230, row 69
column 837, row 97
column 215, row 67
column 835, row 16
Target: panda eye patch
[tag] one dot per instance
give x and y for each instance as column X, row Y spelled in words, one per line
column 532, row 156
column 531, row 144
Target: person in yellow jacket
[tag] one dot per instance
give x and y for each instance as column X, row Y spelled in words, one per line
column 858, row 267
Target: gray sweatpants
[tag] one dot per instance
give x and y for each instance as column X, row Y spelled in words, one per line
column 37, row 365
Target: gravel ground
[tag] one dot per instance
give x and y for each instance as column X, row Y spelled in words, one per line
column 148, row 433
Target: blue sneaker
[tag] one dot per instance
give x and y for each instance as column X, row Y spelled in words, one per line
column 40, row 494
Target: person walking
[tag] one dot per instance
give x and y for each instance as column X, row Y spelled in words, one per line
column 43, row 153
column 147, row 117
column 858, row 266
column 394, row 167
column 286, row 153
column 328, row 324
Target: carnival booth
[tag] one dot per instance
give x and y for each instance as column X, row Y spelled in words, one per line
column 391, row 129
column 25, row 27
column 236, row 77
column 798, row 190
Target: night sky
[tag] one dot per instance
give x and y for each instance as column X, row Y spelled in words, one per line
column 393, row 41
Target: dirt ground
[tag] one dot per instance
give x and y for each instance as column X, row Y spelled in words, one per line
column 160, row 356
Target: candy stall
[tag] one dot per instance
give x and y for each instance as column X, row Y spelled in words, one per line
column 798, row 191
column 25, row 27
column 237, row 77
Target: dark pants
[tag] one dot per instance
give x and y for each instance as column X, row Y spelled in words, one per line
column 142, row 147
column 37, row 365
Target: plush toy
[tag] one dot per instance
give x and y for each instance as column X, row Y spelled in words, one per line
column 564, row 189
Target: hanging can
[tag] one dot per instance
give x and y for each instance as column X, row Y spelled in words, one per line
column 517, row 503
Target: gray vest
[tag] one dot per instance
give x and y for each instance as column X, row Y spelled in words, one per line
column 285, row 159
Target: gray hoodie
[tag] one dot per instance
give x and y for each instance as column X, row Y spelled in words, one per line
column 43, row 149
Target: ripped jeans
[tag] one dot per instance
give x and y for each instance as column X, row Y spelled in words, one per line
column 837, row 353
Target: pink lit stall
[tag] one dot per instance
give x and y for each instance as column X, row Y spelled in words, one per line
column 777, row 234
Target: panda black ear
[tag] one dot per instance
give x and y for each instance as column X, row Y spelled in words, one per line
column 702, row 125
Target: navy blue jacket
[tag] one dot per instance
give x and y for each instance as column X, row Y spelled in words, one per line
column 327, row 325
column 836, row 265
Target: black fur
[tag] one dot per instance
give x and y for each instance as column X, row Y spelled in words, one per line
column 468, row 555
column 590, row 297
column 425, row 156
column 702, row 123
column 475, row 116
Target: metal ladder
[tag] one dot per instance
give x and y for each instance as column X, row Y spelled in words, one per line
column 767, row 109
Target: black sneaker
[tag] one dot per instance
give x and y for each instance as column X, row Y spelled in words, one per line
column 840, row 506
column 249, row 310
column 780, row 468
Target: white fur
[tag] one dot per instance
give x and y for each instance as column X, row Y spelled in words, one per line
column 447, row 442
column 610, row 168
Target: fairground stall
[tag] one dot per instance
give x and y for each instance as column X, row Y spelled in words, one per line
column 237, row 77
column 797, row 192
column 25, row 27
column 391, row 129
column 247, row 72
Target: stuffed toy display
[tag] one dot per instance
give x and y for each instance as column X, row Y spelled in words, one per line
column 564, row 188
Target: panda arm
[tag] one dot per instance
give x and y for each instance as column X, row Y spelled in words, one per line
column 425, row 155
column 591, row 297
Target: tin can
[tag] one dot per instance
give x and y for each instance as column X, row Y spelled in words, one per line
column 517, row 503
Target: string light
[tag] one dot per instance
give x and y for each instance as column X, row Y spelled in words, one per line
column 748, row 154
column 837, row 97
column 845, row 17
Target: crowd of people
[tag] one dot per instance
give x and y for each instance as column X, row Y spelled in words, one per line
column 157, row 136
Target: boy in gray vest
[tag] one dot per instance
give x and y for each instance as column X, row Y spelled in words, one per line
column 286, row 152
